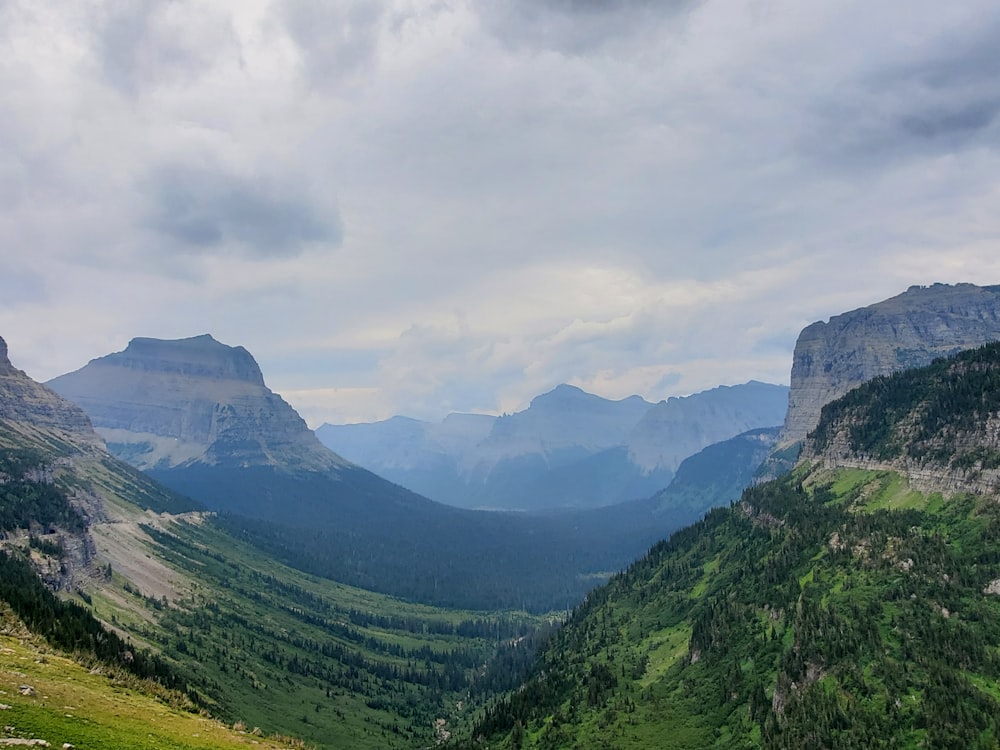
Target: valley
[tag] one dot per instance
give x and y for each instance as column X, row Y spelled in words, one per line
column 240, row 583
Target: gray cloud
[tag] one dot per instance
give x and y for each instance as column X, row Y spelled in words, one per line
column 908, row 102
column 206, row 210
column 338, row 40
column 578, row 27
column 143, row 44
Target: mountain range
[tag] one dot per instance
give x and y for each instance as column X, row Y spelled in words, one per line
column 193, row 620
column 852, row 602
column 569, row 448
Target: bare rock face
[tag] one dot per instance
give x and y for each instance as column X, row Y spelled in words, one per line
column 909, row 330
column 162, row 403
column 23, row 401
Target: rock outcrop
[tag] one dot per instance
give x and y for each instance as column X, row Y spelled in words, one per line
column 161, row 404
column 906, row 331
column 26, row 402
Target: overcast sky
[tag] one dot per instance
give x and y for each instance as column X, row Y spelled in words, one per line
column 420, row 207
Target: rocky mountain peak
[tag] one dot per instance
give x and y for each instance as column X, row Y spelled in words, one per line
column 162, row 403
column 905, row 331
column 198, row 356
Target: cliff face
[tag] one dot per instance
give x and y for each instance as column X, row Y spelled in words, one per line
column 25, row 402
column 906, row 331
column 160, row 404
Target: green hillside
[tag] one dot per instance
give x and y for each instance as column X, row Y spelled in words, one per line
column 830, row 608
column 224, row 628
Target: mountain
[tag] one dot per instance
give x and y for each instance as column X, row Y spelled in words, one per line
column 164, row 404
column 679, row 427
column 568, row 449
column 162, row 617
column 854, row 602
column 939, row 426
column 909, row 330
column 196, row 415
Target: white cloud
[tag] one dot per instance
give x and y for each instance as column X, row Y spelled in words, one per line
column 417, row 206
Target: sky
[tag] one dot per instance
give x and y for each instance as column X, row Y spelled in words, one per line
column 420, row 207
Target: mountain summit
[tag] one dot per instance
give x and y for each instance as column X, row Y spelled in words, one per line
column 166, row 403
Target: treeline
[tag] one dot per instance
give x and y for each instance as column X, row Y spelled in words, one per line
column 419, row 571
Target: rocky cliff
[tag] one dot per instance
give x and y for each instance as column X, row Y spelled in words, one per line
column 25, row 402
column 906, row 331
column 161, row 404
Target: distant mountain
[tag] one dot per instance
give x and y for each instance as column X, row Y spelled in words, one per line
column 714, row 476
column 680, row 427
column 903, row 332
column 196, row 415
column 568, row 449
column 851, row 603
column 166, row 404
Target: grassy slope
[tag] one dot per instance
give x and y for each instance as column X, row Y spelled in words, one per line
column 833, row 609
column 90, row 708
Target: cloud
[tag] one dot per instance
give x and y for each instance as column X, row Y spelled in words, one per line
column 338, row 41
column 203, row 210
column 144, row 45
column 578, row 27
column 413, row 207
column 19, row 286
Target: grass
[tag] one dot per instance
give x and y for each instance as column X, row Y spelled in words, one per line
column 665, row 647
column 90, row 709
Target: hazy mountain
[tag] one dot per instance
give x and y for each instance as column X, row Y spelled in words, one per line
column 851, row 603
column 569, row 448
column 677, row 428
column 197, row 416
column 906, row 331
